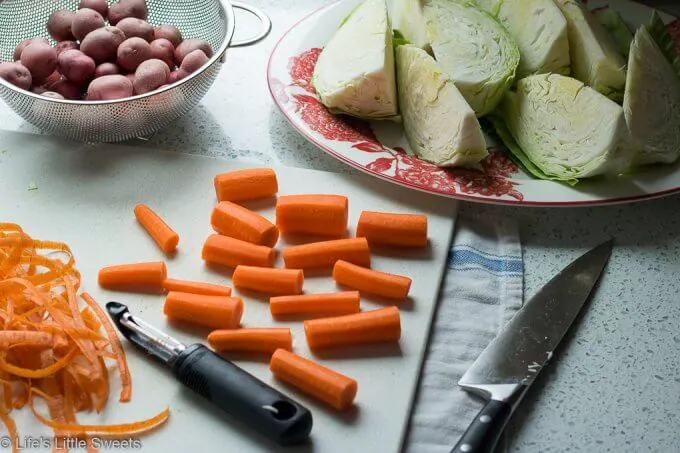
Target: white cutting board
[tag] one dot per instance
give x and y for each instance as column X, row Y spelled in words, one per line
column 85, row 196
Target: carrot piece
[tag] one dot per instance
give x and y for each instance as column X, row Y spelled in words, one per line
column 248, row 184
column 135, row 277
column 370, row 281
column 342, row 303
column 323, row 215
column 265, row 340
column 376, row 326
column 267, row 280
column 207, row 289
column 216, row 312
column 231, row 252
column 329, row 386
column 25, row 338
column 230, row 219
column 166, row 238
column 325, row 254
column 400, row 230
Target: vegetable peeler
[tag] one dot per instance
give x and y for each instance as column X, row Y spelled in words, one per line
column 236, row 392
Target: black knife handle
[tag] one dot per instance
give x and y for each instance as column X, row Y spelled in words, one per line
column 483, row 433
column 242, row 395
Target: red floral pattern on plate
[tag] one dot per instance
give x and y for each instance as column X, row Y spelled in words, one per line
column 674, row 30
column 492, row 179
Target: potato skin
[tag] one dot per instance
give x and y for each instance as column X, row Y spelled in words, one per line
column 66, row 45
column 85, row 21
column 109, row 87
column 68, row 89
column 133, row 27
column 169, row 32
column 162, row 49
column 132, row 52
column 23, row 44
column 189, row 45
column 127, row 8
column 176, row 75
column 59, row 24
column 52, row 95
column 193, row 61
column 76, row 66
column 102, row 44
column 16, row 74
column 150, row 75
column 101, row 6
column 106, row 69
column 40, row 59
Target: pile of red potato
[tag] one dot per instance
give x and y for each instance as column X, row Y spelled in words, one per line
column 94, row 60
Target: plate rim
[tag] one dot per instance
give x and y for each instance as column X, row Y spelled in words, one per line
column 457, row 196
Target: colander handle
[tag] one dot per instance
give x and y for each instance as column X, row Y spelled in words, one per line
column 266, row 25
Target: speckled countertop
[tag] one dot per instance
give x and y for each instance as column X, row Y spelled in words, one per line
column 615, row 383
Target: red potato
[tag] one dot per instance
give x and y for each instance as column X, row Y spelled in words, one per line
column 132, row 52
column 59, row 24
column 52, row 95
column 188, row 46
column 150, row 75
column 68, row 89
column 101, row 6
column 176, row 75
column 106, row 69
column 109, row 87
column 127, row 8
column 133, row 27
column 16, row 74
column 86, row 21
column 130, row 77
column 22, row 45
column 102, row 44
column 76, row 66
column 169, row 32
column 40, row 90
column 40, row 59
column 193, row 61
column 162, row 49
column 66, row 45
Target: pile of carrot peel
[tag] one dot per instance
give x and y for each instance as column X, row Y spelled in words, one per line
column 55, row 342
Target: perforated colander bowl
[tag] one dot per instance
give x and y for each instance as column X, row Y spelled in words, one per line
column 138, row 116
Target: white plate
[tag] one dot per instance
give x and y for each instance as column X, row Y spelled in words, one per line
column 378, row 148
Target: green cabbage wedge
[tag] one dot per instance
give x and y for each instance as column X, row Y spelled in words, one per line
column 565, row 129
column 409, row 19
column 595, row 59
column 652, row 102
column 612, row 21
column 475, row 51
column 355, row 71
column 439, row 124
column 540, row 30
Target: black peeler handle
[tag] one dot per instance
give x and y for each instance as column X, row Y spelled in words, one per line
column 242, row 395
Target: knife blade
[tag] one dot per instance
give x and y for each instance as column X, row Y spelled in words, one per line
column 511, row 362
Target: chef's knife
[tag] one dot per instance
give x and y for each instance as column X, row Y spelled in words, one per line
column 510, row 363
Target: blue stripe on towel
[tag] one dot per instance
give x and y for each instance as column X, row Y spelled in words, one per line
column 464, row 258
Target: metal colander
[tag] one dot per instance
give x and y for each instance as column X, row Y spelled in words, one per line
column 138, row 116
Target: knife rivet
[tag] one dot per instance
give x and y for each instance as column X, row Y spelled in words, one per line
column 466, row 447
column 485, row 419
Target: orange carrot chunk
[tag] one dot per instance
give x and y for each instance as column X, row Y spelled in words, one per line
column 323, row 215
column 230, row 219
column 269, row 281
column 399, row 230
column 248, row 184
column 207, row 289
column 325, row 254
column 376, row 326
column 135, row 277
column 231, row 252
column 370, row 281
column 217, row 312
column 160, row 232
column 266, row 340
column 342, row 303
column 331, row 387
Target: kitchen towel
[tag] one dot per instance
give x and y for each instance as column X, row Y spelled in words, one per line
column 482, row 290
